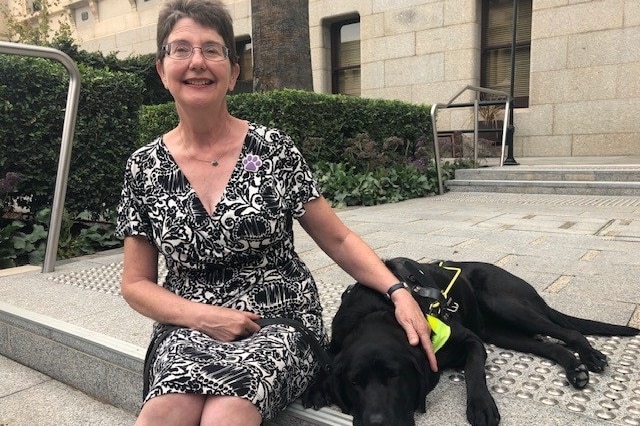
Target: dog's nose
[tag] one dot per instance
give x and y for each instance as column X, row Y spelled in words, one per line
column 376, row 419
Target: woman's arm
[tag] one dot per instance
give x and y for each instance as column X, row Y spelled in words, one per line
column 353, row 255
column 140, row 289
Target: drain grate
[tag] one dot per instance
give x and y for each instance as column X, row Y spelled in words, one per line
column 540, row 199
column 103, row 279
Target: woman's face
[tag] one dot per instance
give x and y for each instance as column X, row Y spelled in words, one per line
column 196, row 81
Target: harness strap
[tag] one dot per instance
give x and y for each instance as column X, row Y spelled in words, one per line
column 424, row 285
column 321, row 355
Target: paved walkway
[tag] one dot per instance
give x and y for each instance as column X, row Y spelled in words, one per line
column 580, row 252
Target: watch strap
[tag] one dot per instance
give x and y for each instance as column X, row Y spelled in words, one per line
column 395, row 287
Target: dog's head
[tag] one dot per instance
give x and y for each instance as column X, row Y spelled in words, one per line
column 379, row 378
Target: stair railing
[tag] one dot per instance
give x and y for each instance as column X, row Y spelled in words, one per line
column 476, row 104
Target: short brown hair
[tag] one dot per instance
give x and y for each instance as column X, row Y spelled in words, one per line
column 208, row 13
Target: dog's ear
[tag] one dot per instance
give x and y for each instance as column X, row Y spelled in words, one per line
column 428, row 380
column 338, row 383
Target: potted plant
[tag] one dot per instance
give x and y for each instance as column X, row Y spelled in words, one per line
column 490, row 117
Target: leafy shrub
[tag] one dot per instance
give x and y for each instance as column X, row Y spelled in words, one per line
column 342, row 185
column 8, row 186
column 24, row 241
column 156, row 120
column 16, row 246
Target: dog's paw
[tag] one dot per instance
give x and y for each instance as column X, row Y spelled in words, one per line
column 315, row 397
column 595, row 361
column 483, row 411
column 578, row 376
column 315, row 401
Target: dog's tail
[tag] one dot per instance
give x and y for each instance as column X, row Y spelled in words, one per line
column 591, row 327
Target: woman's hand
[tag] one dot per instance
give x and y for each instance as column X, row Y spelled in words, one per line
column 410, row 317
column 358, row 259
column 224, row 324
column 139, row 289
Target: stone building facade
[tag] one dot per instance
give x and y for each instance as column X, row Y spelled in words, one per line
column 583, row 81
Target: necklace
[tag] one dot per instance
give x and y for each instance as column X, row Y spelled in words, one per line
column 215, row 162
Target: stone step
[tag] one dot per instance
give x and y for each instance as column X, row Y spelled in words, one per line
column 545, row 187
column 103, row 367
column 568, row 180
column 569, row 174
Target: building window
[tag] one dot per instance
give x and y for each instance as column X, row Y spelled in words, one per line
column 244, row 49
column 497, row 35
column 83, row 17
column 345, row 57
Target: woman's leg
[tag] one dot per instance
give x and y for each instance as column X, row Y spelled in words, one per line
column 172, row 410
column 229, row 411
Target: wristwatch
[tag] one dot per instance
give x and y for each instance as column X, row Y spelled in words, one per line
column 395, row 287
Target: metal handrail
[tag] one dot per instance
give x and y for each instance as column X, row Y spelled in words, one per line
column 73, row 95
column 476, row 104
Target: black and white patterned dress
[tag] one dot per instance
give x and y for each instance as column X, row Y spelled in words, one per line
column 241, row 256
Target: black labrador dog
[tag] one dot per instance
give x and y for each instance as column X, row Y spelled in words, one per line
column 380, row 379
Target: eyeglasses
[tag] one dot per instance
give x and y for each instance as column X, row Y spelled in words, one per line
column 211, row 51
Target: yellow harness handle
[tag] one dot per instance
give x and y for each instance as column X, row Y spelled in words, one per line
column 445, row 293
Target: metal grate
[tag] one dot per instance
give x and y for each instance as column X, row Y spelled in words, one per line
column 541, row 199
column 104, row 279
column 613, row 395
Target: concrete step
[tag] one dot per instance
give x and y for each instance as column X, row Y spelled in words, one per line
column 585, row 180
column 103, row 367
column 545, row 187
column 569, row 174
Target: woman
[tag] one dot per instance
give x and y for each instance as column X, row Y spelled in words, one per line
column 216, row 197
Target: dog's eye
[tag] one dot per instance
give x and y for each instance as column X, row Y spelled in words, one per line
column 354, row 380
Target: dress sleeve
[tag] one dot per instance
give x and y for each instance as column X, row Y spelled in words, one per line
column 132, row 217
column 300, row 183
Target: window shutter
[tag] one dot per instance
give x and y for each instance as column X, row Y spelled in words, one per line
column 497, row 38
column 346, row 57
column 349, row 55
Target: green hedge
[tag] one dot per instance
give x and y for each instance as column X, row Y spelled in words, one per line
column 112, row 123
column 321, row 125
column 33, row 97
column 144, row 66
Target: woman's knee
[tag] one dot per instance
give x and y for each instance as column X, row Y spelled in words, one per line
column 230, row 411
column 172, row 409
